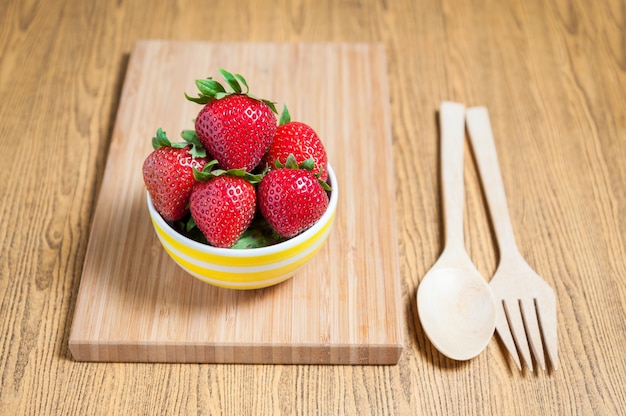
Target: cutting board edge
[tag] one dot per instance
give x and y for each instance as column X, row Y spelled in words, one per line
column 370, row 354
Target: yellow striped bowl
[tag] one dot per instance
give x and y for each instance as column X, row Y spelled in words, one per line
column 246, row 268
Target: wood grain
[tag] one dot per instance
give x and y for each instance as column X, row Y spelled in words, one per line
column 553, row 75
column 136, row 304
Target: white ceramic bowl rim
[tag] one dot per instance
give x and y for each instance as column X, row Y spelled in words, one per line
column 261, row 251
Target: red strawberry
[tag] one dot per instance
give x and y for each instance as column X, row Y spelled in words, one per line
column 299, row 139
column 223, row 208
column 233, row 126
column 168, row 175
column 291, row 200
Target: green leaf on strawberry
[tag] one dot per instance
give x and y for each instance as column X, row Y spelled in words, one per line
column 259, row 234
column 212, row 90
column 308, row 165
column 209, row 87
column 269, row 103
column 160, row 139
column 231, row 80
column 208, row 172
column 243, row 81
column 200, row 99
column 190, row 138
column 190, row 224
column 291, row 163
column 242, row 173
column 285, row 117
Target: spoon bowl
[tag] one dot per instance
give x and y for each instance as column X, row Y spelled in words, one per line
column 456, row 309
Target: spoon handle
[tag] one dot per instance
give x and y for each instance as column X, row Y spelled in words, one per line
column 452, row 123
column 481, row 137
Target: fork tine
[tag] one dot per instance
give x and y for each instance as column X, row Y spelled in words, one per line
column 546, row 310
column 516, row 326
column 527, row 305
column 502, row 327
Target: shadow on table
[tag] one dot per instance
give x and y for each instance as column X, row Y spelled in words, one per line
column 103, row 151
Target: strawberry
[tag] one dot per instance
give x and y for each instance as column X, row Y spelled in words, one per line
column 292, row 198
column 168, row 174
column 223, row 208
column 299, row 139
column 235, row 127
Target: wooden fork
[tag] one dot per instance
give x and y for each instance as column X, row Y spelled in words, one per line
column 526, row 304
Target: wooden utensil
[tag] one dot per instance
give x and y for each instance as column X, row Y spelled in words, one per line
column 526, row 303
column 454, row 302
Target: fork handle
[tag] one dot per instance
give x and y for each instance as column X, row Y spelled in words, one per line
column 481, row 138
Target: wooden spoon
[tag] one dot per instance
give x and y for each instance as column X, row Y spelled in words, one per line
column 454, row 302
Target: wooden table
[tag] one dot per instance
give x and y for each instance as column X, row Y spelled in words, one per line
column 553, row 75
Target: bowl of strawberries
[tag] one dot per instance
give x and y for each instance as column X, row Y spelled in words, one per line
column 245, row 200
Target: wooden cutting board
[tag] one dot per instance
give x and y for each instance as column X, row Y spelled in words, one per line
column 136, row 305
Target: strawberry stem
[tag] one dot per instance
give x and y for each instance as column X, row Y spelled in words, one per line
column 212, row 90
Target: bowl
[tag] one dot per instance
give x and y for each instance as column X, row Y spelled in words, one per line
column 246, row 268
